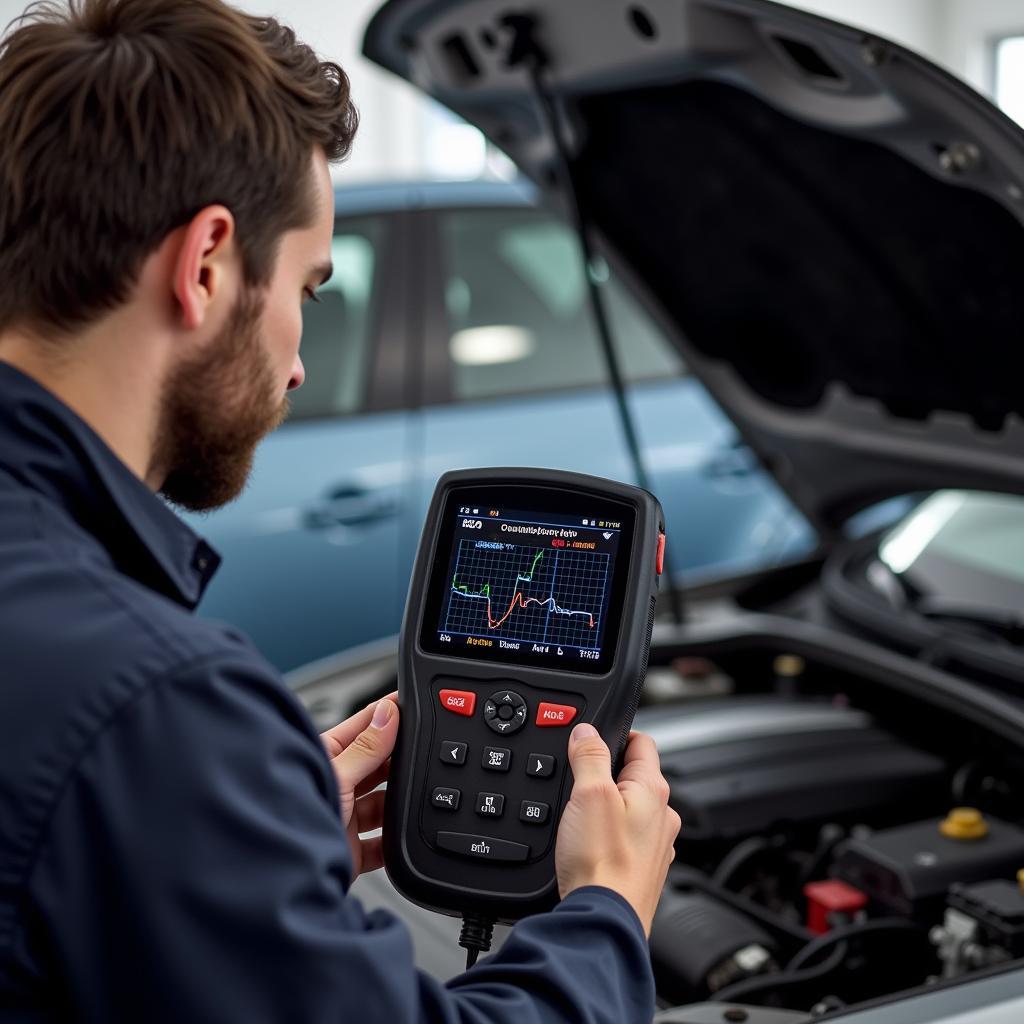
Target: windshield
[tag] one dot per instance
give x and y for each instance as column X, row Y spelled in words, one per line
column 982, row 530
column 961, row 551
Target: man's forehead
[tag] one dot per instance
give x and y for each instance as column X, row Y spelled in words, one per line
column 323, row 185
column 310, row 246
column 323, row 224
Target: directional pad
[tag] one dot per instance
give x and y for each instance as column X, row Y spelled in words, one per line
column 505, row 712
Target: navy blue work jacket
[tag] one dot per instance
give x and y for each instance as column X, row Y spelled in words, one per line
column 170, row 840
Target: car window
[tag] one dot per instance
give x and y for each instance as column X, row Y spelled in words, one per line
column 336, row 332
column 519, row 313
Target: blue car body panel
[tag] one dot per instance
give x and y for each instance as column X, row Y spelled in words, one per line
column 303, row 574
column 317, row 550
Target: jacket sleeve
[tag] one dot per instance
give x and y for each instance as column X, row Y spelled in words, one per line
column 195, row 869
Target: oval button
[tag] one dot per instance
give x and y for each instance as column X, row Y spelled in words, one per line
column 460, row 702
column 482, row 847
column 555, row 714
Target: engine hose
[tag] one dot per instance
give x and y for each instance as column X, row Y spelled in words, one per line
column 744, row 990
column 849, row 931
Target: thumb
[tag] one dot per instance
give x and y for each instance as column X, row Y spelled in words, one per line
column 589, row 757
column 370, row 748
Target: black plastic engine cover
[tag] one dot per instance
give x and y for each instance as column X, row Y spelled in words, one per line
column 910, row 869
column 748, row 767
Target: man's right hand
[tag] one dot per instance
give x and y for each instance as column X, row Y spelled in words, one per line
column 619, row 835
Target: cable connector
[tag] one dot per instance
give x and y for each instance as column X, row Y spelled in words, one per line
column 475, row 936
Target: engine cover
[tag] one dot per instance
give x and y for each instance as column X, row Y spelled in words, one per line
column 750, row 766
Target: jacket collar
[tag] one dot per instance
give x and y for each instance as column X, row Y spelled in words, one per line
column 50, row 449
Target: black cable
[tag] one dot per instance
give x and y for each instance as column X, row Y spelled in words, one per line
column 737, row 857
column 796, row 973
column 740, row 991
column 830, row 837
column 793, row 935
column 475, row 936
column 848, row 931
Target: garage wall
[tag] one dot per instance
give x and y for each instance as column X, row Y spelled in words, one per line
column 402, row 135
column 390, row 141
column 970, row 29
column 915, row 23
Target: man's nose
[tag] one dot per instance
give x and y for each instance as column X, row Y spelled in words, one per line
column 298, row 375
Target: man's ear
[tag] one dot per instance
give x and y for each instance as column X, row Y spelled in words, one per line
column 205, row 259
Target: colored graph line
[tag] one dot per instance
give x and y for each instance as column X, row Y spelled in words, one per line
column 484, row 594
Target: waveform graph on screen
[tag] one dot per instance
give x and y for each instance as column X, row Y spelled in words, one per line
column 518, row 592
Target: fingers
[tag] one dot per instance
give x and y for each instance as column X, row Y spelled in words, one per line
column 640, row 762
column 589, row 757
column 337, row 738
column 373, row 780
column 371, row 853
column 369, row 749
column 370, row 812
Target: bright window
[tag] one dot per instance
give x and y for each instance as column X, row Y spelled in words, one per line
column 1010, row 76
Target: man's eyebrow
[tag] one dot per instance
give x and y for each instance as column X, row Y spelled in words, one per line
column 322, row 271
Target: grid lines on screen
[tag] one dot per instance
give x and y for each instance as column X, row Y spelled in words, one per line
column 518, row 592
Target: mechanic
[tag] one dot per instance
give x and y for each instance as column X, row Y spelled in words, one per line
column 172, row 829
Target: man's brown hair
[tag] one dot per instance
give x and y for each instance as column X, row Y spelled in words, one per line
column 121, row 119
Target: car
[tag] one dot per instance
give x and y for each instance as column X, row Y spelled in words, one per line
column 833, row 229
column 456, row 332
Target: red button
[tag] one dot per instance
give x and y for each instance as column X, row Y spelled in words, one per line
column 462, row 702
column 659, row 559
column 555, row 714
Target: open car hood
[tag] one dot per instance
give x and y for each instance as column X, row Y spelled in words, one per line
column 833, row 225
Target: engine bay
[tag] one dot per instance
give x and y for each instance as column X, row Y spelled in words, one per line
column 845, row 837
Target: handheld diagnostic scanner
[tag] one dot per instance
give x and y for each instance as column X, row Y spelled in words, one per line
column 530, row 609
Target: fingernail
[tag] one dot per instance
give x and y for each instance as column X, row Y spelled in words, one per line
column 382, row 713
column 583, row 731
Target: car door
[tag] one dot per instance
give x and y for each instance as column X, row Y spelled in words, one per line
column 310, row 548
column 520, row 379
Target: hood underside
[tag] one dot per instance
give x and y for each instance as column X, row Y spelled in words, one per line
column 832, row 225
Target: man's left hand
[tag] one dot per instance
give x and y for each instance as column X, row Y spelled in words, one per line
column 360, row 751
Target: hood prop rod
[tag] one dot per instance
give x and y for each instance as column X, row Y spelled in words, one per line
column 526, row 50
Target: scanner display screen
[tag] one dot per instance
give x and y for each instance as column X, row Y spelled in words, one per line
column 528, row 582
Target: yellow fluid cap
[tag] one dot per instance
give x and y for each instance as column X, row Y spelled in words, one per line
column 791, row 665
column 964, row 823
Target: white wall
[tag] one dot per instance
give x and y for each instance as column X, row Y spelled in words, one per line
column 394, row 140
column 970, row 29
column 391, row 138
column 914, row 23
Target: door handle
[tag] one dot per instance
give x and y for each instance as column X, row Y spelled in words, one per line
column 735, row 463
column 349, row 506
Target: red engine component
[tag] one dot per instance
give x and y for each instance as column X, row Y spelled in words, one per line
column 827, row 898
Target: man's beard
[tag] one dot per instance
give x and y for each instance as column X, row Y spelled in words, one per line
column 216, row 408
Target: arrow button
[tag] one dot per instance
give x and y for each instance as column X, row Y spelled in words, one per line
column 453, row 753
column 540, row 766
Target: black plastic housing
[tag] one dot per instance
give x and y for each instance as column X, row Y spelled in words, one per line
column 910, row 869
column 998, row 907
column 455, row 883
column 693, row 942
